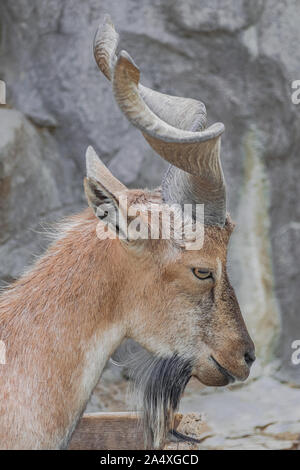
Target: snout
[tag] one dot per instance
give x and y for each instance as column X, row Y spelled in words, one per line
column 229, row 351
column 223, row 368
column 236, row 369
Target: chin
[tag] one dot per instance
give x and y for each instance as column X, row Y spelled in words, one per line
column 212, row 374
column 211, row 380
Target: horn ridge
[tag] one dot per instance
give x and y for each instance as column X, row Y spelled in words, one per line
column 105, row 44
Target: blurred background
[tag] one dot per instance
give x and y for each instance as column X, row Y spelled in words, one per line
column 240, row 58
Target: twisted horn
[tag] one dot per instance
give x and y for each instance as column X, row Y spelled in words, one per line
column 175, row 129
column 105, row 44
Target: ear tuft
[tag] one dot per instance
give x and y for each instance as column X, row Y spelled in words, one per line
column 106, row 207
column 97, row 194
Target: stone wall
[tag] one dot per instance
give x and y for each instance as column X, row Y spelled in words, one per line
column 239, row 57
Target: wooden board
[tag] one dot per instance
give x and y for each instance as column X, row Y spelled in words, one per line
column 109, row 431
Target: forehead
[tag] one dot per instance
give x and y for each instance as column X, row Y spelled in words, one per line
column 215, row 241
column 212, row 255
column 213, row 251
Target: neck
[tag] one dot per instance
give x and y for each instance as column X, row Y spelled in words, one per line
column 60, row 326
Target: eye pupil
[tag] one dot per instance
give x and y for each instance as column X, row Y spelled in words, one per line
column 201, row 273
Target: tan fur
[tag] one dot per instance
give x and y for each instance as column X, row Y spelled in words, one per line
column 63, row 319
column 48, row 319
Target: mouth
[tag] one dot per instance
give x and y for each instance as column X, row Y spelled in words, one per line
column 223, row 371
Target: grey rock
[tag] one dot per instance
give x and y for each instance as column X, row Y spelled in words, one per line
column 249, row 416
column 213, row 15
column 31, row 172
column 239, row 57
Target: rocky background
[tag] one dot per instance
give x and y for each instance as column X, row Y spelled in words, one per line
column 239, row 57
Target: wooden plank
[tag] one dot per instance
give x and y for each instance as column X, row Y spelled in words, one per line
column 109, row 431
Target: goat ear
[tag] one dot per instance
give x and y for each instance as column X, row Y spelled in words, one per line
column 107, row 197
column 98, row 195
column 102, row 190
column 106, row 207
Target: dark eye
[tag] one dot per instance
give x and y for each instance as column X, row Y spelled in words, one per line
column 202, row 273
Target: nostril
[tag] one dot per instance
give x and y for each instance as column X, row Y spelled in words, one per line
column 249, row 358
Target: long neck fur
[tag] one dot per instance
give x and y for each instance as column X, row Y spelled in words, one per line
column 60, row 322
